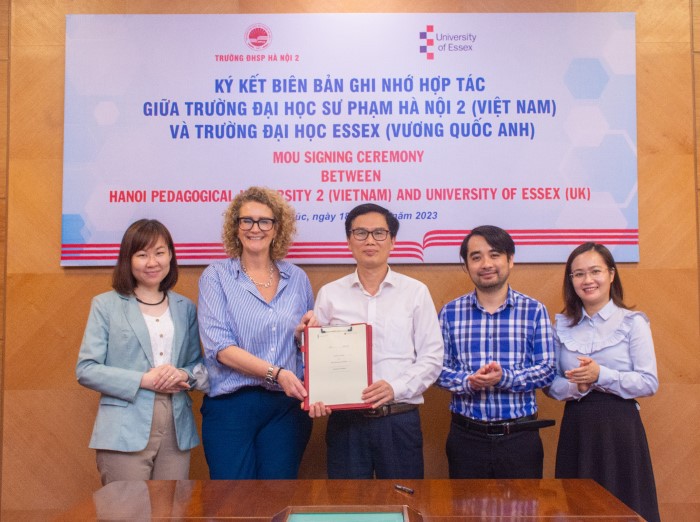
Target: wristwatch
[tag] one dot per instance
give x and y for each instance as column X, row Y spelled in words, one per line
column 272, row 373
column 270, row 376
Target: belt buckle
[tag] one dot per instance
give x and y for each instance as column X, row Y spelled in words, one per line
column 500, row 431
column 375, row 413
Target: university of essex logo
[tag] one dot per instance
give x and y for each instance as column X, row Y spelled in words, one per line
column 427, row 41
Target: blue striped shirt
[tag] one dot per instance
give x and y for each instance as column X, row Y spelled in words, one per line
column 232, row 312
column 518, row 335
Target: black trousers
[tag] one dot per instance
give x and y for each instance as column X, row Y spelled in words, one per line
column 473, row 455
column 360, row 447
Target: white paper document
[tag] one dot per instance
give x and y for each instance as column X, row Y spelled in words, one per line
column 338, row 365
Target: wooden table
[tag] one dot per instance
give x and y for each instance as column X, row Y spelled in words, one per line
column 435, row 499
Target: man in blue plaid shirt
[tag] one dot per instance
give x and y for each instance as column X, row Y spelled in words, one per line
column 498, row 351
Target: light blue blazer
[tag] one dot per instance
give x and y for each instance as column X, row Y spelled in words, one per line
column 114, row 355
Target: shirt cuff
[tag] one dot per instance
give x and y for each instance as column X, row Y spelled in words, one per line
column 465, row 384
column 400, row 392
column 506, row 382
column 605, row 377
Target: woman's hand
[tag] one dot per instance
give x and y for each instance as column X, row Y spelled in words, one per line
column 291, row 385
column 586, row 374
column 583, row 388
column 165, row 379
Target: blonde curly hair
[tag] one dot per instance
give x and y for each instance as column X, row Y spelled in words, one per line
column 285, row 221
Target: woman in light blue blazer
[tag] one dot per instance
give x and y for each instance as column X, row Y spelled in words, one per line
column 140, row 349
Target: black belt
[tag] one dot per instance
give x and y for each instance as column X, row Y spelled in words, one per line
column 389, row 409
column 500, row 428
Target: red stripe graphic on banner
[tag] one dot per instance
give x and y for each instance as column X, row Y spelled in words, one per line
column 339, row 249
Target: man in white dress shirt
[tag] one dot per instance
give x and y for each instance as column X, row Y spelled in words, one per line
column 407, row 351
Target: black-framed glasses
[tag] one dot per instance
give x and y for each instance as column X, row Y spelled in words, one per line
column 264, row 224
column 379, row 234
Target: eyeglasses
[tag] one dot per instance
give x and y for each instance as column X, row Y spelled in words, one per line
column 379, row 234
column 264, row 224
column 595, row 273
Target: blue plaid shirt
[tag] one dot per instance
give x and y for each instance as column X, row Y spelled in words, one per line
column 518, row 336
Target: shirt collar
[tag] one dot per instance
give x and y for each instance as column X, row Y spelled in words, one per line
column 605, row 313
column 389, row 279
column 510, row 300
column 510, row 297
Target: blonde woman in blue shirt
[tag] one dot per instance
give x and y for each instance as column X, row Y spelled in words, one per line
column 252, row 307
column 606, row 360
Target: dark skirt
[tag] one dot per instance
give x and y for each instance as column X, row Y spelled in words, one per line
column 602, row 438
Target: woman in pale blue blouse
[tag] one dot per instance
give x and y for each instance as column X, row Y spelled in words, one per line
column 605, row 358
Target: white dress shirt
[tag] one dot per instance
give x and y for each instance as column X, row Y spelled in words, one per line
column 407, row 346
